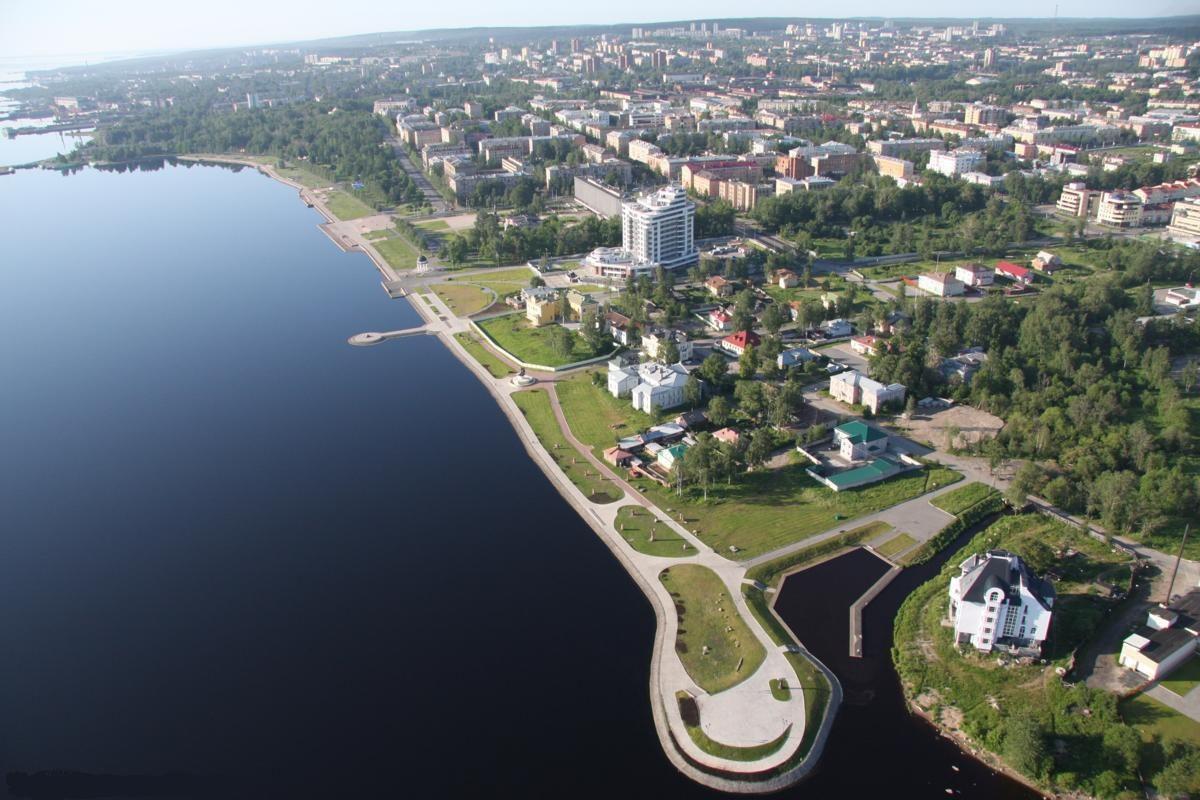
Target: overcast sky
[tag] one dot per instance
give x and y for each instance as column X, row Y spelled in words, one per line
column 40, row 28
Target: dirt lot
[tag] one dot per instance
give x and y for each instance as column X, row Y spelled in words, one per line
column 973, row 425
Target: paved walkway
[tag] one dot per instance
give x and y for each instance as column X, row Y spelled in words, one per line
column 1188, row 705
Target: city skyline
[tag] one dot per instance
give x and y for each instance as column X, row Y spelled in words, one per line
column 29, row 30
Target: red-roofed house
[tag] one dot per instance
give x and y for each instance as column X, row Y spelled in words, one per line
column 1014, row 272
column 720, row 320
column 737, row 343
column 865, row 345
column 727, row 435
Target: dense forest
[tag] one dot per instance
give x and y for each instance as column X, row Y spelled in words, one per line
column 1099, row 398
column 350, row 143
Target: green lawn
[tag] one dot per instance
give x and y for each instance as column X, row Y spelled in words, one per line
column 535, row 405
column 770, row 508
column 635, row 523
column 780, row 690
column 1184, row 678
column 398, row 252
column 502, row 282
column 346, row 206
column 959, row 500
column 374, row 236
column 991, row 695
column 596, row 417
column 490, row 362
column 433, row 225
column 705, row 612
column 463, row 298
column 1161, row 728
column 302, row 176
column 532, row 345
column 897, row 544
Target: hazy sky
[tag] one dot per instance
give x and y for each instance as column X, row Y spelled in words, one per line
column 37, row 27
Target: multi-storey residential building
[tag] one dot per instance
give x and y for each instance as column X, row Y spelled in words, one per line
column 742, row 195
column 599, row 198
column 1185, row 220
column 955, row 162
column 903, row 147
column 1119, row 209
column 657, row 229
column 995, row 601
column 985, row 115
column 898, row 168
column 1076, row 200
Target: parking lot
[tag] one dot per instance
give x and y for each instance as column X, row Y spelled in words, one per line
column 842, row 354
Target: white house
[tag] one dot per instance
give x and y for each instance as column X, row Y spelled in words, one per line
column 858, row 441
column 1183, row 297
column 997, row 602
column 794, row 356
column 974, row 275
column 650, row 385
column 835, row 328
column 853, row 387
column 940, row 284
column 1169, row 638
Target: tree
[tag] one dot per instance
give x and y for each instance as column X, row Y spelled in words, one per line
column 749, row 396
column 748, row 362
column 772, row 319
column 560, row 341
column 457, row 250
column 1024, row 482
column 592, row 328
column 699, row 461
column 713, row 369
column 719, row 411
column 693, row 393
column 1113, row 498
column 669, row 351
column 759, row 449
column 536, row 282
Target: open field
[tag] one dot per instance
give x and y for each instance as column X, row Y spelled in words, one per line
column 635, row 524
column 302, row 176
column 596, row 417
column 346, row 206
column 463, row 298
column 959, row 500
column 715, row 658
column 535, row 405
column 690, row 714
column 1160, row 728
column 768, row 509
column 434, row 225
column 502, row 281
column 490, row 362
column 533, row 345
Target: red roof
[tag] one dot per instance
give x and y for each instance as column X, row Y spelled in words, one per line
column 1016, row 270
column 742, row 338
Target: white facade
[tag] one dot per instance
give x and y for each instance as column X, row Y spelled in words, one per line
column 974, row 275
column 852, row 387
column 1169, row 638
column 997, row 601
column 653, row 342
column 650, row 385
column 657, row 229
column 1120, row 209
column 955, row 162
column 940, row 284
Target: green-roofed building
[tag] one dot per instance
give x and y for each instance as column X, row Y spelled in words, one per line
column 872, row 472
column 858, row 441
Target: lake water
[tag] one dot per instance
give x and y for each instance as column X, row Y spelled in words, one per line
column 237, row 549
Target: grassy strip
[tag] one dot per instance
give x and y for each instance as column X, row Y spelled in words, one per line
column 731, row 752
column 770, row 572
column 535, row 405
column 896, row 544
column 634, row 523
column 1184, row 678
column 959, row 500
column 491, row 363
column 993, row 504
column 713, row 641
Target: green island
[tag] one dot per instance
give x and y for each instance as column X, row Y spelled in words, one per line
column 717, row 649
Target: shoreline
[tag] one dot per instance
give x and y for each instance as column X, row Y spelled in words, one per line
column 737, row 777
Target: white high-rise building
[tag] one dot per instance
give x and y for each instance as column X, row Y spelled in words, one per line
column 657, row 229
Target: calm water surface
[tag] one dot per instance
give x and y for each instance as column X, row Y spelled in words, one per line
column 235, row 547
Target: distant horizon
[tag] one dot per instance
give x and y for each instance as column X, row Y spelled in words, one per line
column 71, row 28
